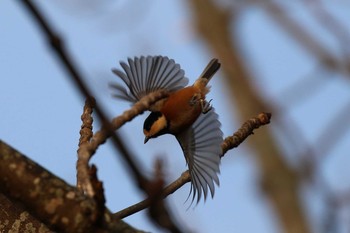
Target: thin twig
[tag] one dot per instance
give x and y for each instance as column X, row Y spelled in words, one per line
column 83, row 160
column 229, row 143
column 137, row 109
column 87, row 120
column 87, row 150
column 246, row 129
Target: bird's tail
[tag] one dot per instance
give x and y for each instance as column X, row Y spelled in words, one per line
column 209, row 71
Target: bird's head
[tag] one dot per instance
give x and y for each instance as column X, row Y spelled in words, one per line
column 155, row 125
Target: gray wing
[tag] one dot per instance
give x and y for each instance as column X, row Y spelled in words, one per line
column 202, row 148
column 143, row 75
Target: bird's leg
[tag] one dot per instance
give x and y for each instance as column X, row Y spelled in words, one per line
column 194, row 100
column 205, row 105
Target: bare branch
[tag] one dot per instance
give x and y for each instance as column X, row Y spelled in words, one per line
column 229, row 143
column 49, row 199
column 83, row 178
column 86, row 127
column 14, row 218
column 137, row 109
column 108, row 131
column 246, row 129
column 86, row 150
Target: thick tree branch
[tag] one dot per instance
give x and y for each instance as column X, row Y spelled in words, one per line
column 14, row 218
column 49, row 199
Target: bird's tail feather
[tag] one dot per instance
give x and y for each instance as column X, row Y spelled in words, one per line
column 206, row 75
column 210, row 69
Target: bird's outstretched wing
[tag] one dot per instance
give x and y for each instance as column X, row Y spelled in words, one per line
column 143, row 75
column 201, row 144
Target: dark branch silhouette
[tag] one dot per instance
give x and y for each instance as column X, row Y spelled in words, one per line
column 57, row 45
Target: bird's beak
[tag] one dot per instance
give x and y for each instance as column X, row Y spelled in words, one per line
column 146, row 140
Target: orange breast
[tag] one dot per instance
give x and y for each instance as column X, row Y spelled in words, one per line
column 179, row 111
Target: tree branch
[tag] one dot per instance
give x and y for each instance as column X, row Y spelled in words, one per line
column 86, row 150
column 58, row 47
column 49, row 199
column 14, row 218
column 229, row 143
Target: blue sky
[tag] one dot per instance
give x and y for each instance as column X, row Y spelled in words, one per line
column 41, row 108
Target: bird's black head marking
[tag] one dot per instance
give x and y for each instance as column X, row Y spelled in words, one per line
column 155, row 125
column 153, row 117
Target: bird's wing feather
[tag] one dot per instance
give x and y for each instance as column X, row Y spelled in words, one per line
column 143, row 75
column 201, row 144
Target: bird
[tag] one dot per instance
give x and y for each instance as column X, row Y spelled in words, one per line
column 185, row 113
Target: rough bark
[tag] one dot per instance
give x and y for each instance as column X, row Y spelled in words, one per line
column 41, row 201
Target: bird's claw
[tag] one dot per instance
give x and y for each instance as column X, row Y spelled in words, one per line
column 194, row 100
column 206, row 106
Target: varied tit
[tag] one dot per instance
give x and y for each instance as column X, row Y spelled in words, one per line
column 184, row 113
